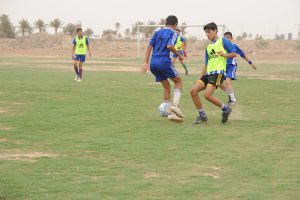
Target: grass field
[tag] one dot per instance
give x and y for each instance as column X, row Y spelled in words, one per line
column 103, row 138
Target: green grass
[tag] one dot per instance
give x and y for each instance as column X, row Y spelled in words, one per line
column 107, row 141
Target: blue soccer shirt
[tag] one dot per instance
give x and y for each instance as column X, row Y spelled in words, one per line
column 232, row 61
column 159, row 41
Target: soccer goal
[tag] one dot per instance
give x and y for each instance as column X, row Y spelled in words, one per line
column 198, row 31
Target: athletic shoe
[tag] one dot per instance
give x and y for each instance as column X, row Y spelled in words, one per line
column 79, row 79
column 231, row 103
column 200, row 119
column 176, row 111
column 226, row 114
column 76, row 78
column 186, row 72
column 174, row 118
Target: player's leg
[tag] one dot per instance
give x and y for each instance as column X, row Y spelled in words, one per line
column 167, row 92
column 213, row 82
column 176, row 96
column 80, row 71
column 197, row 87
column 185, row 67
column 75, row 64
column 231, row 71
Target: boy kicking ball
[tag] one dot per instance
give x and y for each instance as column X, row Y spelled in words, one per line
column 161, row 45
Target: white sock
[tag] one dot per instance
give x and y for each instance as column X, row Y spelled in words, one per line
column 232, row 96
column 176, row 97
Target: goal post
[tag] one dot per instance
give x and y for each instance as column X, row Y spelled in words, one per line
column 221, row 27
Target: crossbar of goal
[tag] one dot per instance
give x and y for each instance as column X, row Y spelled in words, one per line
column 223, row 27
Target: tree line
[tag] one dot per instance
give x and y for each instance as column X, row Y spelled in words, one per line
column 8, row 30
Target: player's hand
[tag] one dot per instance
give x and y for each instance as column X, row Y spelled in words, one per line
column 181, row 58
column 145, row 68
column 221, row 53
column 253, row 66
column 185, row 54
column 90, row 54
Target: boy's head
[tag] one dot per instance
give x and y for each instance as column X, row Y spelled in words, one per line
column 172, row 21
column 177, row 31
column 228, row 35
column 79, row 32
column 211, row 31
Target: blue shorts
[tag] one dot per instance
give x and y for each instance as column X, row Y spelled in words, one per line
column 230, row 72
column 80, row 58
column 179, row 51
column 163, row 71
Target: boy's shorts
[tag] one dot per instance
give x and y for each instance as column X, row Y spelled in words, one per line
column 80, row 58
column 163, row 71
column 179, row 51
column 231, row 71
column 212, row 79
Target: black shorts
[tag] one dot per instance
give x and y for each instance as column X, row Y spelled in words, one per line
column 213, row 79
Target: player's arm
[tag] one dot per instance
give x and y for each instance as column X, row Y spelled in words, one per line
column 173, row 50
column 88, row 47
column 74, row 47
column 204, row 69
column 243, row 55
column 228, row 46
column 146, row 59
column 184, row 48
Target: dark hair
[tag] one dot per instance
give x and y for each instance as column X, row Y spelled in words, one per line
column 211, row 26
column 79, row 29
column 177, row 29
column 171, row 20
column 228, row 33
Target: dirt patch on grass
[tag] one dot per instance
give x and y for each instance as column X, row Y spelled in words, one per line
column 3, row 110
column 4, row 128
column 151, row 175
column 275, row 78
column 30, row 157
column 3, row 140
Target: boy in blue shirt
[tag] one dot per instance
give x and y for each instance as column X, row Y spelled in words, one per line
column 231, row 68
column 161, row 45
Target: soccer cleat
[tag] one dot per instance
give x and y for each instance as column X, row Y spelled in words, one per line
column 231, row 103
column 186, row 72
column 79, row 79
column 174, row 118
column 200, row 119
column 76, row 78
column 176, row 111
column 226, row 114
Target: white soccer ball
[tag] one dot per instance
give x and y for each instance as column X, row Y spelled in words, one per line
column 164, row 109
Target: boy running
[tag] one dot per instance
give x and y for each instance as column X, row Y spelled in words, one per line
column 213, row 73
column 180, row 46
column 161, row 45
column 80, row 44
column 231, row 70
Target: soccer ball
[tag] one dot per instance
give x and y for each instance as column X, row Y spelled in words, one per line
column 164, row 109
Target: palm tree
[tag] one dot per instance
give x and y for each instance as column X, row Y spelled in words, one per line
column 134, row 29
column 25, row 27
column 41, row 25
column 118, row 26
column 127, row 33
column 148, row 31
column 7, row 30
column 89, row 32
column 56, row 24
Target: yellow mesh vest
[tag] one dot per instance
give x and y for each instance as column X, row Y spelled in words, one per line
column 216, row 62
column 178, row 45
column 81, row 46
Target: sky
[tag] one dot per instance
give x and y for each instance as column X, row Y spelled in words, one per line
column 267, row 17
